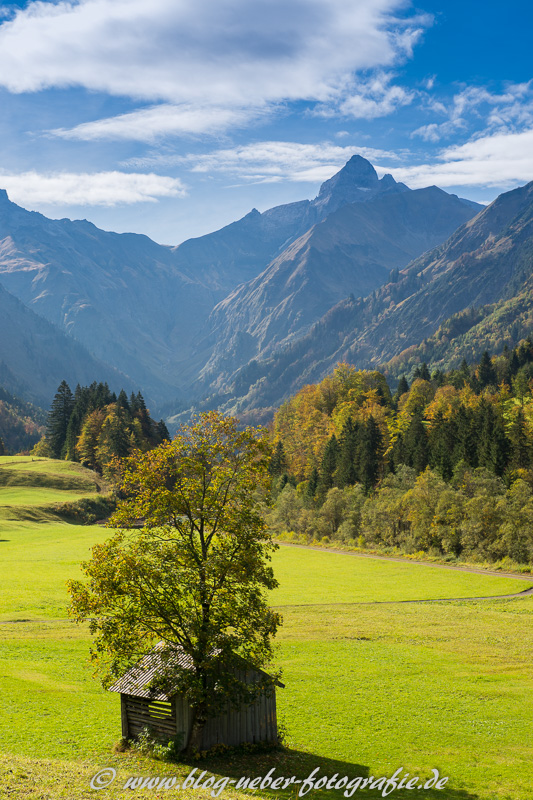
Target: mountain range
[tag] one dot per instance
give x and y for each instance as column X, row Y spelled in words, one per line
column 471, row 293
column 184, row 322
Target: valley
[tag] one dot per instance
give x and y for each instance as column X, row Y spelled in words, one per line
column 370, row 686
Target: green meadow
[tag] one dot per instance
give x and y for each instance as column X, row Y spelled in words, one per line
column 371, row 684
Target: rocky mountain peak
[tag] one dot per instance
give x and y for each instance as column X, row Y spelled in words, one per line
column 356, row 182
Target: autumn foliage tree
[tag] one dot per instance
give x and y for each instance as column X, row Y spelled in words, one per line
column 195, row 575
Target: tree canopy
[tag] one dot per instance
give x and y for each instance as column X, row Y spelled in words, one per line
column 195, row 575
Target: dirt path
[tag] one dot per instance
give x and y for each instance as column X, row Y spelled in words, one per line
column 523, row 593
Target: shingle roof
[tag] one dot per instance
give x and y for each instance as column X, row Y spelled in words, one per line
column 155, row 665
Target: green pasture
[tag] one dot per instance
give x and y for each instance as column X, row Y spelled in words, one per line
column 310, row 577
column 369, row 687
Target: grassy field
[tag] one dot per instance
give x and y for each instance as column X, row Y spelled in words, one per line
column 370, row 687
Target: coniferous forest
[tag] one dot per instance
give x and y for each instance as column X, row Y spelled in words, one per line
column 93, row 426
column 441, row 465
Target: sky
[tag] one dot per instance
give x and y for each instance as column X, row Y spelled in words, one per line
column 174, row 118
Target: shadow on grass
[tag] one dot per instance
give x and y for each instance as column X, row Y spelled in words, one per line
column 300, row 765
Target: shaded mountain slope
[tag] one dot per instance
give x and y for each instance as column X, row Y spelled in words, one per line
column 489, row 260
column 351, row 252
column 35, row 356
column 118, row 294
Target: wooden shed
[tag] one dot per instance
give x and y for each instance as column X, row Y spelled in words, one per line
column 168, row 714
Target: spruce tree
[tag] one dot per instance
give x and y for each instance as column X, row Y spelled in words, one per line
column 328, row 466
column 370, row 452
column 520, row 457
column 415, row 443
column 486, row 373
column 162, row 431
column 346, row 474
column 2, row 448
column 312, row 484
column 493, row 443
column 58, row 419
column 442, row 446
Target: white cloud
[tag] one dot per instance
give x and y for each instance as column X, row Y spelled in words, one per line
column 88, row 189
column 148, row 124
column 270, row 162
column 503, row 111
column 209, row 55
column 501, row 160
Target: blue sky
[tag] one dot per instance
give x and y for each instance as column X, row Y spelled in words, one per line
column 175, row 117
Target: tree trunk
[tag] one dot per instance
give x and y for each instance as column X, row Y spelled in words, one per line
column 194, row 744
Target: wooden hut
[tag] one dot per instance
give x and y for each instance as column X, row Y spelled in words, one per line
column 167, row 714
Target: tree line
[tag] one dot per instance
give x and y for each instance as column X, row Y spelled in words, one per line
column 93, row 425
column 346, row 440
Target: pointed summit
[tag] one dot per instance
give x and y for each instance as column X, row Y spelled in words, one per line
column 356, row 182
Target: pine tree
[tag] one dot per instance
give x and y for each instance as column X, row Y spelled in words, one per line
column 2, row 448
column 486, row 373
column 58, row 419
column 328, row 466
column 346, row 473
column 415, row 443
column 162, row 430
column 312, row 484
column 370, row 453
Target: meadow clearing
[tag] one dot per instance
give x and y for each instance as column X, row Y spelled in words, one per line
column 372, row 684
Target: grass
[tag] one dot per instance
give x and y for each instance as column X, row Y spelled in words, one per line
column 313, row 576
column 369, row 687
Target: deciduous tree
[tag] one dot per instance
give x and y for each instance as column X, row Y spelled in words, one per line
column 196, row 574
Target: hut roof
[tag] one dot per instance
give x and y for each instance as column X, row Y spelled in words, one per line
column 157, row 665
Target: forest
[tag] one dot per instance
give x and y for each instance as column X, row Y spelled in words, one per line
column 441, row 466
column 94, row 426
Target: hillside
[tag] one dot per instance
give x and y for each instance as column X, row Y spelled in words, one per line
column 351, row 252
column 21, row 424
column 144, row 308
column 486, row 261
column 35, row 356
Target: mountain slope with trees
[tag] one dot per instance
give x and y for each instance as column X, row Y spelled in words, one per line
column 488, row 260
column 443, row 466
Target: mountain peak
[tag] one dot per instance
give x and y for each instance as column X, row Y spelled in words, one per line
column 3, row 196
column 357, row 173
column 356, row 182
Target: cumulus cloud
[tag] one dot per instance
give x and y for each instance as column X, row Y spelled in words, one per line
column 501, row 160
column 506, row 110
column 271, row 161
column 89, row 189
column 201, row 57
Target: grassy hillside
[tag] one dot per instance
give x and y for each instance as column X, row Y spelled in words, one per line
column 369, row 687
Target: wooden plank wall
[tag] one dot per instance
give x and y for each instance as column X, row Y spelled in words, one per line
column 254, row 723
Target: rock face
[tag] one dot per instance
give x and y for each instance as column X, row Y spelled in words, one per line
column 179, row 320
column 487, row 260
column 356, row 182
column 351, row 252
